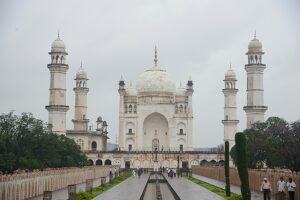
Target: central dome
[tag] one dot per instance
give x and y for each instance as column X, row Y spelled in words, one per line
column 155, row 80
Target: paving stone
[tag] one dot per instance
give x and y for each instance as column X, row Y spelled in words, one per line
column 188, row 190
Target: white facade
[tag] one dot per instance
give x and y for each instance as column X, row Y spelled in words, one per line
column 155, row 115
column 230, row 109
column 255, row 108
column 57, row 107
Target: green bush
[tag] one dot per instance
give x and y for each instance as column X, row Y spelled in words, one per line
column 235, row 197
column 83, row 196
column 241, row 155
column 227, row 186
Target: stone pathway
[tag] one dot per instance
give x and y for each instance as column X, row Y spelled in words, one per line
column 233, row 188
column 130, row 189
column 188, row 190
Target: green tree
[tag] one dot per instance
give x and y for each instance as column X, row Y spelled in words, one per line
column 26, row 143
column 227, row 187
column 241, row 158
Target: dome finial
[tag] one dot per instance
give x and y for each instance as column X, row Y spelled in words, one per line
column 254, row 34
column 155, row 56
column 230, row 65
column 58, row 34
column 81, row 64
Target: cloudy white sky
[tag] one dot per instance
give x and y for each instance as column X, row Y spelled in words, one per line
column 114, row 38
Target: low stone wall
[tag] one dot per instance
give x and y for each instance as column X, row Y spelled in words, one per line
column 32, row 184
column 255, row 177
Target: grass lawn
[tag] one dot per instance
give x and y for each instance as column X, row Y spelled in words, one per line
column 102, row 188
column 219, row 191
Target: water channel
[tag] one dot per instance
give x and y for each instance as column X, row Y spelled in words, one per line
column 158, row 188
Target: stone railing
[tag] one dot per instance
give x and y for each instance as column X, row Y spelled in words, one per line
column 255, row 177
column 32, row 184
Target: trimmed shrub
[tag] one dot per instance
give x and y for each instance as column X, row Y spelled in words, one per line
column 235, row 197
column 227, row 186
column 241, row 156
column 83, row 196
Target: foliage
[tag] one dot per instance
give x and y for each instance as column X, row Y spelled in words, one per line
column 241, row 161
column 235, row 197
column 102, row 188
column 83, row 196
column 227, row 186
column 26, row 143
column 275, row 143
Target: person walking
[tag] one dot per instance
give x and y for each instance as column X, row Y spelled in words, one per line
column 281, row 188
column 291, row 186
column 266, row 189
column 133, row 173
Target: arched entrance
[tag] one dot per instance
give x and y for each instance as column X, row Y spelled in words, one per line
column 156, row 132
column 155, row 144
column 91, row 162
column 107, row 162
column 99, row 162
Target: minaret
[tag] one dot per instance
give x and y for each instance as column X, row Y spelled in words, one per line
column 57, row 107
column 80, row 115
column 121, row 113
column 230, row 117
column 255, row 108
column 190, row 91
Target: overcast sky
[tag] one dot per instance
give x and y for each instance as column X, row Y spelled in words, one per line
column 114, row 38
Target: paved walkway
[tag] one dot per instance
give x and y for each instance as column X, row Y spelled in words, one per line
column 188, row 190
column 130, row 189
column 233, row 188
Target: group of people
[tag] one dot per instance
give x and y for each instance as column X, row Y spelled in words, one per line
column 172, row 173
column 290, row 185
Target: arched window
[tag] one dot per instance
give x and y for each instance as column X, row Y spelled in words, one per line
column 130, row 108
column 62, row 60
column 256, row 59
column 94, row 146
column 134, row 108
column 99, row 162
column 176, row 109
column 57, row 58
column 107, row 162
column 259, row 59
column 180, row 108
column 80, row 142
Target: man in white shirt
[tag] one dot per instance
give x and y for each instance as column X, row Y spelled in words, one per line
column 291, row 186
column 281, row 188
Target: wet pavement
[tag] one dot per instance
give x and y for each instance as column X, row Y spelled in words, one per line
column 130, row 189
column 189, row 190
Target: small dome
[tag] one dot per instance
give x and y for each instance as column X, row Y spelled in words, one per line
column 81, row 74
column 230, row 74
column 130, row 91
column 58, row 46
column 155, row 80
column 181, row 92
column 254, row 46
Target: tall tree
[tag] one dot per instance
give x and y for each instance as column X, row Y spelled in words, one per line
column 241, row 155
column 227, row 187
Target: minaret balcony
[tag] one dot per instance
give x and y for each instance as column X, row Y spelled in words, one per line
column 255, row 108
column 63, row 108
